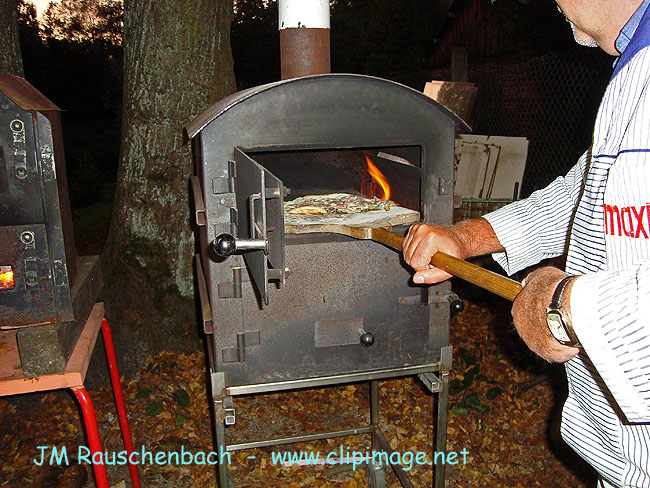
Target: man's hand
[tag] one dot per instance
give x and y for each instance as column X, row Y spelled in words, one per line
column 529, row 314
column 421, row 243
column 465, row 239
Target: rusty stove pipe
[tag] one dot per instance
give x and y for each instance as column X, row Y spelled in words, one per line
column 304, row 37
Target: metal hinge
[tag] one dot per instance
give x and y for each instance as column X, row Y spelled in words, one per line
column 31, row 272
column 47, row 163
column 237, row 354
column 231, row 289
column 60, row 273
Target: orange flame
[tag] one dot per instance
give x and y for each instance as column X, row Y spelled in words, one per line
column 7, row 280
column 379, row 177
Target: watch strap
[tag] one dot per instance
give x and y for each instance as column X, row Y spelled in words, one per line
column 556, row 304
column 558, row 295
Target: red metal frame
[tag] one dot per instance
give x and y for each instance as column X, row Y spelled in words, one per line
column 90, row 422
column 119, row 400
column 90, row 419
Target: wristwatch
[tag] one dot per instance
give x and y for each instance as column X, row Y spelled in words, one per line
column 557, row 319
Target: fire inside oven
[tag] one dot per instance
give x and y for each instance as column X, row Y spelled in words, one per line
column 386, row 173
column 7, row 281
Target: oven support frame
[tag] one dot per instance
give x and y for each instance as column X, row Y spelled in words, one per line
column 224, row 412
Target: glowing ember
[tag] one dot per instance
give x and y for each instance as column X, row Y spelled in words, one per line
column 378, row 176
column 6, row 278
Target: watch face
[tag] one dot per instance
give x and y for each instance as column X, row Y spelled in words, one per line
column 556, row 326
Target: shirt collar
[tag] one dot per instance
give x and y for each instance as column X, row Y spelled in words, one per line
column 629, row 29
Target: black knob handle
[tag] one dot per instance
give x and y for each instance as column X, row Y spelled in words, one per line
column 457, row 305
column 224, row 245
column 366, row 339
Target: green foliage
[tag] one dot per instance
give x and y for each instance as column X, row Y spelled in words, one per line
column 143, row 393
column 73, row 54
column 153, row 409
column 473, row 402
column 85, row 21
column 494, row 392
column 182, row 397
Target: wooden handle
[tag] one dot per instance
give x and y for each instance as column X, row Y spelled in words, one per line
column 486, row 279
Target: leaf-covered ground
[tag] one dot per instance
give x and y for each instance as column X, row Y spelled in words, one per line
column 503, row 409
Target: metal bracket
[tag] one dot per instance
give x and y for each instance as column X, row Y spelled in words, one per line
column 225, row 410
column 20, row 154
column 444, row 186
column 206, row 311
column 47, row 163
column 60, row 273
column 20, row 164
column 431, row 381
column 237, row 354
column 440, row 298
column 199, row 203
column 226, row 199
column 446, row 356
column 218, row 384
column 31, row 272
column 223, row 404
column 228, row 411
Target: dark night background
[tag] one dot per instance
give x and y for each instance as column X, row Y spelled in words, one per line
column 73, row 54
column 533, row 81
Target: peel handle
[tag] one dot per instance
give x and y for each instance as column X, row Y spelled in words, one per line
column 484, row 278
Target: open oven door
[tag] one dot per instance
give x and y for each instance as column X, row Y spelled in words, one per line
column 259, row 223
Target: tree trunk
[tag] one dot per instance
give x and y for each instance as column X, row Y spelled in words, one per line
column 177, row 63
column 10, row 59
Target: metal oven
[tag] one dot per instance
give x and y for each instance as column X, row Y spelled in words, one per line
column 300, row 310
column 37, row 254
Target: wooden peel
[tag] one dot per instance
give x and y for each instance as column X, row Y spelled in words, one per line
column 375, row 226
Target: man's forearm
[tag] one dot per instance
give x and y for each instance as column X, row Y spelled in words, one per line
column 475, row 237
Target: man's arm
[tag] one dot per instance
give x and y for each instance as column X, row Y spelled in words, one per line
column 466, row 239
column 476, row 237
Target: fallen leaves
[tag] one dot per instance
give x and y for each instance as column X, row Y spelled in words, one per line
column 504, row 427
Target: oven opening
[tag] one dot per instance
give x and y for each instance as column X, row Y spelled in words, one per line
column 387, row 173
column 7, row 278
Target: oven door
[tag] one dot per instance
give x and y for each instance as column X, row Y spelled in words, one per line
column 259, row 217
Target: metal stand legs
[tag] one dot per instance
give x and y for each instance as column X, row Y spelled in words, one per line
column 443, row 413
column 90, row 419
column 118, row 394
column 224, row 415
column 90, row 423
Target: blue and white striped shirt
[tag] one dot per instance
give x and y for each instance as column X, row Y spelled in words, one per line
column 601, row 210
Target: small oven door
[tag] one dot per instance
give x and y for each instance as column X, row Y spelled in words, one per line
column 259, row 218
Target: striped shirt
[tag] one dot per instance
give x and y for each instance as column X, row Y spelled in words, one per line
column 599, row 213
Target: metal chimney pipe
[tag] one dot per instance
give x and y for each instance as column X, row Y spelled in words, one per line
column 304, row 37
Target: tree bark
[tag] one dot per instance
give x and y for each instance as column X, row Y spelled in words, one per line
column 177, row 63
column 11, row 60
